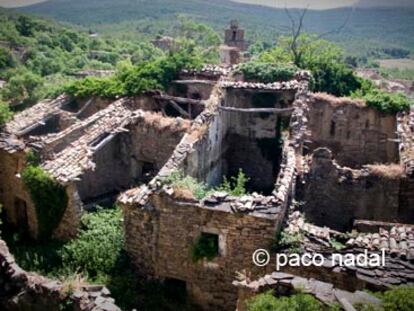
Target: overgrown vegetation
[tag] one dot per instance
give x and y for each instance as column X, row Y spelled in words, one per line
column 267, row 72
column 134, row 80
column 49, row 198
column 365, row 33
column 397, row 299
column 96, row 256
column 290, row 242
column 98, row 245
column 39, row 59
column 235, row 186
column 206, row 247
column 5, row 113
column 298, row 302
column 382, row 101
column 331, row 72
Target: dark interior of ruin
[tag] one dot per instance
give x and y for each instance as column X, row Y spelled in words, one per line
column 253, row 141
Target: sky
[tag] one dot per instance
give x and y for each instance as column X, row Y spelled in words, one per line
column 17, row 3
column 313, row 4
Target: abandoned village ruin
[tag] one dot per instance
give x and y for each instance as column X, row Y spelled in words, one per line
column 342, row 165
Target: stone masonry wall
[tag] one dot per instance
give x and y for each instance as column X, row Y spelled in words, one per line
column 16, row 201
column 356, row 134
column 406, row 147
column 160, row 240
column 331, row 190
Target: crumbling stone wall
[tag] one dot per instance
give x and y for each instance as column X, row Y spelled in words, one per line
column 406, row 148
column 161, row 227
column 332, row 190
column 356, row 134
column 155, row 233
column 250, row 141
column 23, row 291
column 123, row 162
column 17, row 204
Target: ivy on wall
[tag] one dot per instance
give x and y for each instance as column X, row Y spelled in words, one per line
column 49, row 198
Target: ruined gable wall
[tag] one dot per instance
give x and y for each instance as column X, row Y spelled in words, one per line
column 356, row 134
column 160, row 241
column 331, row 190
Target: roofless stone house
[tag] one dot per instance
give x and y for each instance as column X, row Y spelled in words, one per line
column 351, row 166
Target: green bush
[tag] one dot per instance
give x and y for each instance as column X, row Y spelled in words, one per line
column 325, row 60
column 299, row 302
column 236, row 186
column 399, row 299
column 291, row 242
column 206, row 247
column 6, row 60
column 267, row 72
column 49, row 198
column 96, row 249
column 22, row 87
column 179, row 180
column 135, row 80
column 5, row 113
column 383, row 101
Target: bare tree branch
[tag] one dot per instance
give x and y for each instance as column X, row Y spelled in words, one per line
column 340, row 28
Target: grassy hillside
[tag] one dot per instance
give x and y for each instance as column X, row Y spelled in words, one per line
column 366, row 29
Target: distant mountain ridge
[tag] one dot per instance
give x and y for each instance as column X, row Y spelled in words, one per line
column 385, row 4
column 364, row 29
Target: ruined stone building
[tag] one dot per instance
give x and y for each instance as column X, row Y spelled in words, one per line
column 349, row 166
column 337, row 156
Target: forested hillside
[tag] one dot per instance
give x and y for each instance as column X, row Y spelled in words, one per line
column 38, row 56
column 366, row 30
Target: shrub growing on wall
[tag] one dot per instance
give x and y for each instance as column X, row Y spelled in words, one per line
column 383, row 101
column 267, row 72
column 49, row 198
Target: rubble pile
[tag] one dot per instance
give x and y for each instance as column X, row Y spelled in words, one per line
column 397, row 243
column 275, row 86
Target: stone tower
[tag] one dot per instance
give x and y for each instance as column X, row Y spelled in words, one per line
column 234, row 36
